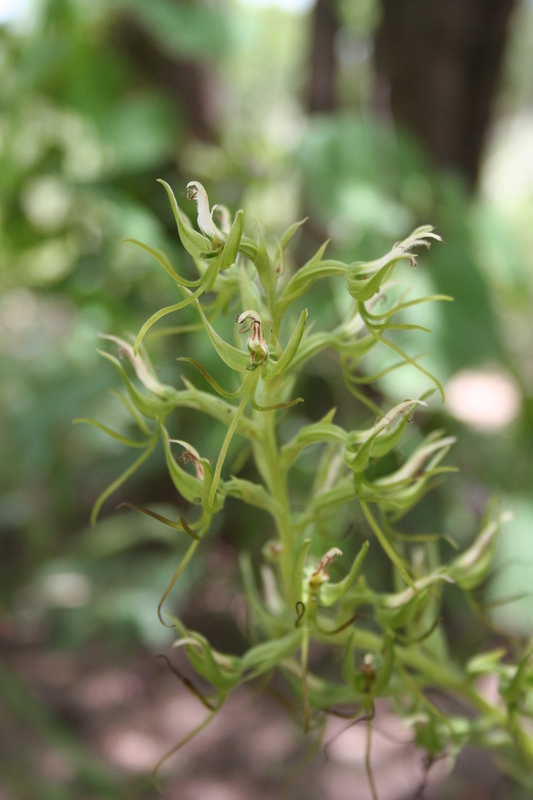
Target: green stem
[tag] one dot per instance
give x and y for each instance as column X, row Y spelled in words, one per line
column 277, row 480
column 249, row 385
column 386, row 545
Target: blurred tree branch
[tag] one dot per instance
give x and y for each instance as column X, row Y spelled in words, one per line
column 184, row 79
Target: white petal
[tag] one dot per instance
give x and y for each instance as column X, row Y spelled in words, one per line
column 205, row 221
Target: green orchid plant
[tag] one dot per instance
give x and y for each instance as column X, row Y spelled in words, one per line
column 397, row 649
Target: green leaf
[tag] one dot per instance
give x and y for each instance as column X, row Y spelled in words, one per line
column 231, row 248
column 320, row 432
column 236, row 359
column 288, row 354
column 252, row 493
column 165, row 263
column 264, row 268
column 264, row 657
column 289, row 233
column 313, row 271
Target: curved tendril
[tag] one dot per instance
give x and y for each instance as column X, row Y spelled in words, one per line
column 402, row 306
column 183, row 563
column 177, row 526
column 366, row 401
column 305, row 692
column 411, row 361
column 276, row 405
column 121, row 479
column 113, row 434
column 189, row 685
column 368, row 379
column 300, row 611
column 162, row 313
column 212, row 381
column 363, row 718
column 181, row 743
column 418, row 639
column 386, row 545
column 341, row 627
column 368, row 766
column 164, row 260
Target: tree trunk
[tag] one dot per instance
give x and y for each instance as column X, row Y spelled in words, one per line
column 441, row 61
column 323, row 61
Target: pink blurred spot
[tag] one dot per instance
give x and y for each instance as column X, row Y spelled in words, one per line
column 484, row 400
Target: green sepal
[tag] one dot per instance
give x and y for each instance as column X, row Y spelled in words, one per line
column 267, row 655
column 248, row 248
column 264, row 268
column 379, row 440
column 298, row 571
column 331, row 593
column 315, row 269
column 472, row 567
column 288, row 354
column 317, row 433
column 189, row 486
column 358, row 461
column 220, row 494
column 282, row 244
column 204, row 660
column 289, row 233
column 248, row 292
column 195, row 243
column 361, row 287
column 252, row 493
column 520, row 682
column 365, row 279
column 151, row 406
column 397, row 610
column 487, row 663
column 234, row 358
column 231, row 247
column 271, row 626
column 433, row 445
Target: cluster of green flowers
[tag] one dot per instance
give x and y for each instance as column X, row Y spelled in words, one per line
column 402, row 652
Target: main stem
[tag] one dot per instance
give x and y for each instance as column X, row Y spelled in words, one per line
column 277, row 480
